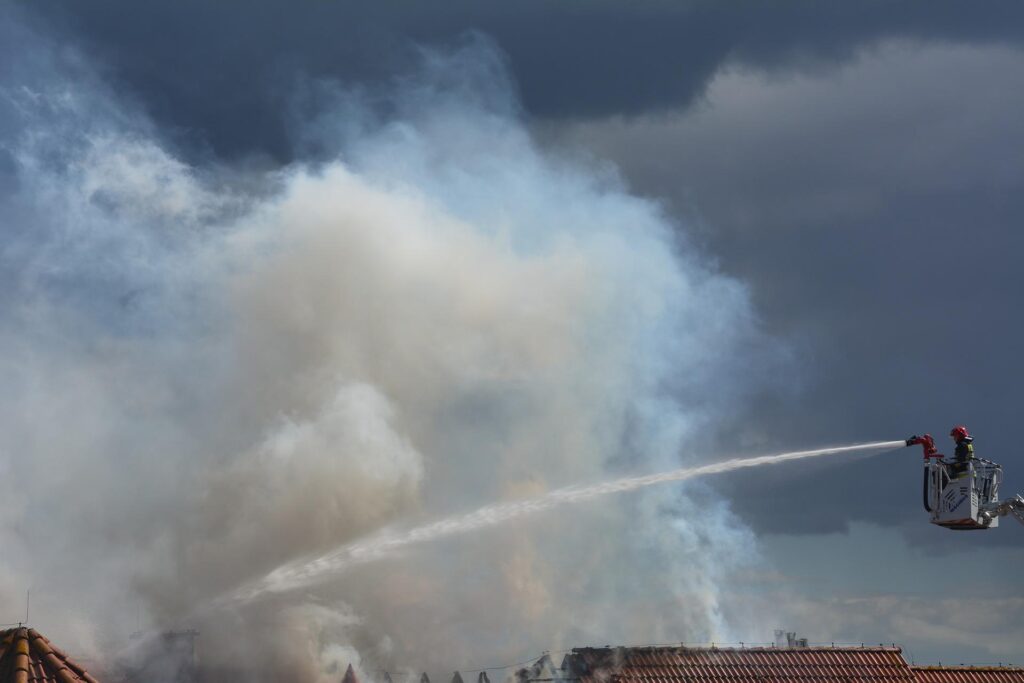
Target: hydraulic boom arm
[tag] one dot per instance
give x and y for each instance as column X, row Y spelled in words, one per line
column 1012, row 507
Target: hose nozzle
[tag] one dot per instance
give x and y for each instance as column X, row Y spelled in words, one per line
column 927, row 443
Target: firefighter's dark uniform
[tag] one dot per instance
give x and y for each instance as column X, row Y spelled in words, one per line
column 963, row 454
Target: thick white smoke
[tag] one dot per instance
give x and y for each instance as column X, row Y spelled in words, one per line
column 210, row 371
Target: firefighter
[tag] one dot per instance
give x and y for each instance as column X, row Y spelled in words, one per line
column 964, row 451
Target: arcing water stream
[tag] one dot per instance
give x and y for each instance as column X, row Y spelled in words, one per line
column 307, row 571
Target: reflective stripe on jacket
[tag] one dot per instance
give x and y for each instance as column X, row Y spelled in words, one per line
column 965, row 450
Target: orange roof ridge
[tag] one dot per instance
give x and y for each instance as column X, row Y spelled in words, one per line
column 25, row 654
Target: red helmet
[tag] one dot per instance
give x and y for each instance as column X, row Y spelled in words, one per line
column 959, row 433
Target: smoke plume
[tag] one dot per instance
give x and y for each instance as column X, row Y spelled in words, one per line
column 211, row 370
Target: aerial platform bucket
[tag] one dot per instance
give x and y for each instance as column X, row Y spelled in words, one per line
column 962, row 496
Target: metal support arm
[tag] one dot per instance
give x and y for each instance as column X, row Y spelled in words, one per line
column 1013, row 507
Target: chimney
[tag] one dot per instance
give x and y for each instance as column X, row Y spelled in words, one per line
column 793, row 641
column 788, row 639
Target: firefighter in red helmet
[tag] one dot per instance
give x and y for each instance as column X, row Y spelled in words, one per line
column 964, row 451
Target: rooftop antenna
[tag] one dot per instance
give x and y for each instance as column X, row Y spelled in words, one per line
column 28, row 595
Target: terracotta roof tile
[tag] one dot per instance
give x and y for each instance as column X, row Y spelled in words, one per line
column 756, row 665
column 28, row 657
column 736, row 665
column 969, row 674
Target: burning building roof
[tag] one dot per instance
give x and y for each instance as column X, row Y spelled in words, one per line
column 28, row 657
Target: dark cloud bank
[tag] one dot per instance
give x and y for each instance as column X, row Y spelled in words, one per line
column 874, row 209
column 221, row 74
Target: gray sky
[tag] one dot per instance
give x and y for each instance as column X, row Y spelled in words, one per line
column 858, row 166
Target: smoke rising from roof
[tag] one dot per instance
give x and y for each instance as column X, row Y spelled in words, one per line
column 210, row 371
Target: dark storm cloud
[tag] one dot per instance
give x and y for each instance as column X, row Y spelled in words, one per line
column 220, row 74
column 875, row 212
column 843, row 208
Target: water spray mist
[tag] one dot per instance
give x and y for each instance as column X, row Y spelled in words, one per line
column 307, row 571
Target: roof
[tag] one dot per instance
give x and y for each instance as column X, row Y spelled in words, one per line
column 968, row 674
column 755, row 664
column 28, row 657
